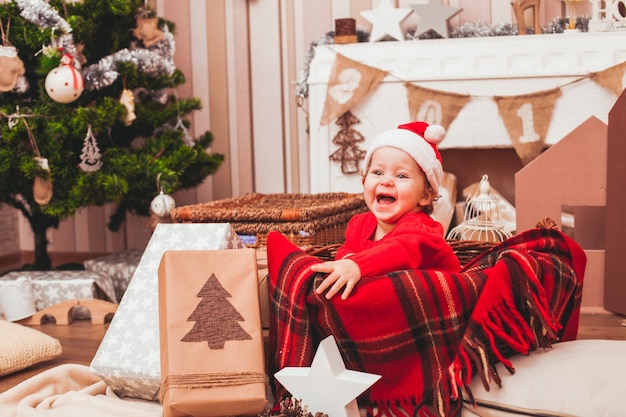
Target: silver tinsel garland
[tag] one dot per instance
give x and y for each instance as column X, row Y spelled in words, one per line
column 302, row 86
column 43, row 15
column 156, row 61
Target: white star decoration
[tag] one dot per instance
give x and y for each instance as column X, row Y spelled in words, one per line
column 327, row 386
column 434, row 15
column 385, row 21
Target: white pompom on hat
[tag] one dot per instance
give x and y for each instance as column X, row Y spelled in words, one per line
column 419, row 140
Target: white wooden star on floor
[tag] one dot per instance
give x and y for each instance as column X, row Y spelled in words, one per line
column 386, row 20
column 327, row 386
column 434, row 15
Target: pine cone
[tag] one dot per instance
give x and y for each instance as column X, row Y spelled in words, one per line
column 291, row 407
column 547, row 223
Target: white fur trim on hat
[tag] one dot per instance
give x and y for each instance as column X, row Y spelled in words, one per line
column 416, row 146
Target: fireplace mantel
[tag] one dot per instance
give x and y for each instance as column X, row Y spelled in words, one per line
column 479, row 67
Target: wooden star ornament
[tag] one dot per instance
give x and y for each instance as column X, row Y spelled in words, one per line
column 386, row 20
column 327, row 386
column 434, row 15
column 148, row 31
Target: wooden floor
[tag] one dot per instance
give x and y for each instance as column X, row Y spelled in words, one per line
column 602, row 326
column 80, row 341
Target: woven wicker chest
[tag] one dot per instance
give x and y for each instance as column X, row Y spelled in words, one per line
column 306, row 219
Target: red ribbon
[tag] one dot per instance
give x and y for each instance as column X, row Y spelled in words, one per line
column 67, row 60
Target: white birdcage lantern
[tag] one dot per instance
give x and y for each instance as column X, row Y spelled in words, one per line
column 482, row 221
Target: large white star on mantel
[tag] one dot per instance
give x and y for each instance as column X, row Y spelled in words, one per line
column 327, row 386
column 386, row 20
column 434, row 15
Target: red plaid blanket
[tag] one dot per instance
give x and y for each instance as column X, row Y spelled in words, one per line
column 428, row 332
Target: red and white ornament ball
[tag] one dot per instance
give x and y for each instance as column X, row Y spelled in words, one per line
column 64, row 84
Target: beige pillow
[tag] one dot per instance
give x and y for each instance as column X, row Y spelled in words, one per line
column 22, row 346
column 575, row 378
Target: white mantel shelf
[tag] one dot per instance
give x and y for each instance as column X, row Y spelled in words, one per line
column 480, row 67
column 481, row 58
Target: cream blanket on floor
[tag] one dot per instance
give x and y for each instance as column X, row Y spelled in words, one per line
column 71, row 390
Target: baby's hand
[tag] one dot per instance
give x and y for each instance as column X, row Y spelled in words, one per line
column 342, row 273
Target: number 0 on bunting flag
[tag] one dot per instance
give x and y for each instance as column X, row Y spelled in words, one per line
column 434, row 107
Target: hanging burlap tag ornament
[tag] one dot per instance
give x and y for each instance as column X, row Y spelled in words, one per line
column 42, row 188
column 349, row 82
column 42, row 185
column 11, row 68
column 128, row 100
column 434, row 107
column 613, row 78
column 527, row 118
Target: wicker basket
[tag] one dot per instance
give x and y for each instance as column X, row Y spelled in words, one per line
column 465, row 250
column 306, row 219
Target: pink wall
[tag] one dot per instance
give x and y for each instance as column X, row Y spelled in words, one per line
column 242, row 59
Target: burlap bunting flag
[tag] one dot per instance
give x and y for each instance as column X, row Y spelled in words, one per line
column 612, row 78
column 527, row 118
column 434, row 107
column 349, row 82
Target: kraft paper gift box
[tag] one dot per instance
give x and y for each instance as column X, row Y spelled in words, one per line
column 128, row 358
column 212, row 361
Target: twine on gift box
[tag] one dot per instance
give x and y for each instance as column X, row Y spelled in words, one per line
column 211, row 380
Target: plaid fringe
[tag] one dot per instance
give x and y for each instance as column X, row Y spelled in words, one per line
column 439, row 330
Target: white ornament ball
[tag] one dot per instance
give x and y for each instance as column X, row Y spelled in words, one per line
column 64, row 84
column 162, row 205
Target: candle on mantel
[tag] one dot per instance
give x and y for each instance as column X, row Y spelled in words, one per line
column 572, row 14
column 345, row 31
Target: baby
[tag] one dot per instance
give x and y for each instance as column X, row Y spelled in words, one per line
column 401, row 177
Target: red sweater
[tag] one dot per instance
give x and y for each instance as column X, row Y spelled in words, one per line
column 416, row 242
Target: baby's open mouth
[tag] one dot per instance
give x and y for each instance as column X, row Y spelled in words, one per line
column 385, row 199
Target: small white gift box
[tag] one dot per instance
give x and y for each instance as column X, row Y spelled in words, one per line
column 17, row 300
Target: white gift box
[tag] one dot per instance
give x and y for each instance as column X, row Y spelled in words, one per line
column 120, row 266
column 53, row 287
column 128, row 358
column 16, row 299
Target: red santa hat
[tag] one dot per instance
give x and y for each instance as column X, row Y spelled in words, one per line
column 419, row 140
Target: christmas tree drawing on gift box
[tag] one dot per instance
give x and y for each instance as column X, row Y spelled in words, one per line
column 216, row 319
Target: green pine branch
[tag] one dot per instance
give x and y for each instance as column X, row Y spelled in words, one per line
column 133, row 156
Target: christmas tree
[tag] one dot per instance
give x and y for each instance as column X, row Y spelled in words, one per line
column 89, row 114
